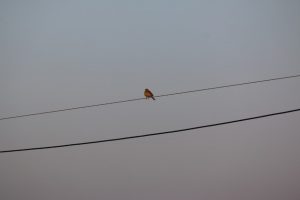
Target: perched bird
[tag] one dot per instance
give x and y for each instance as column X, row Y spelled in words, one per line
column 148, row 94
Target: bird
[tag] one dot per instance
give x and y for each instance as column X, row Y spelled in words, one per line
column 148, row 94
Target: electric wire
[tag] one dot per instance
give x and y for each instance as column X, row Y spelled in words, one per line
column 152, row 134
column 157, row 96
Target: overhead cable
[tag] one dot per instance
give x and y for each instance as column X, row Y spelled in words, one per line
column 150, row 134
column 137, row 99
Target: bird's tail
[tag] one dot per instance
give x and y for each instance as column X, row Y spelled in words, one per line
column 153, row 97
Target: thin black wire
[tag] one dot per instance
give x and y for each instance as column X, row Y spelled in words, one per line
column 151, row 134
column 137, row 99
column 231, row 85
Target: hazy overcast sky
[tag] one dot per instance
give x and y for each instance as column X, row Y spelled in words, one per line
column 65, row 53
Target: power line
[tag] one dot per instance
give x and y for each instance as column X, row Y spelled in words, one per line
column 231, row 85
column 152, row 134
column 137, row 99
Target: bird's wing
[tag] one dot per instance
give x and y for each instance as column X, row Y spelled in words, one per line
column 151, row 94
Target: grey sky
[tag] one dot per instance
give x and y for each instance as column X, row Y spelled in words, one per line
column 57, row 54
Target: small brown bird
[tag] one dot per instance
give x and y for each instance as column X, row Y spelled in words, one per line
column 148, row 94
